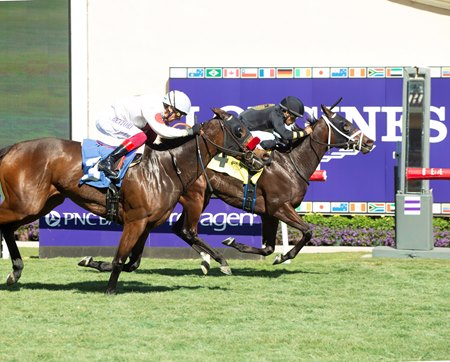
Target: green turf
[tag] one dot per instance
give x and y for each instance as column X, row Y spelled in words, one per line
column 325, row 307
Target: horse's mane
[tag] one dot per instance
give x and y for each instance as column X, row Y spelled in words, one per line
column 4, row 151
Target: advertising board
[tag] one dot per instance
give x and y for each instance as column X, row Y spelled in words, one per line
column 72, row 227
column 372, row 99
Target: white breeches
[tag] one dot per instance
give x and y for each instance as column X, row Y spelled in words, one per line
column 263, row 136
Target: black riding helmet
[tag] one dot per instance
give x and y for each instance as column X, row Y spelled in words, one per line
column 293, row 105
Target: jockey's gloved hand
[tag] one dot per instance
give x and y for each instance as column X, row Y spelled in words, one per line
column 195, row 130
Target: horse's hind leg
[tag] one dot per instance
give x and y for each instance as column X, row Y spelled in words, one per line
column 269, row 234
column 106, row 266
column 16, row 258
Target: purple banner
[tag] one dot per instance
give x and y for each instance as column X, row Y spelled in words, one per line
column 374, row 105
column 70, row 225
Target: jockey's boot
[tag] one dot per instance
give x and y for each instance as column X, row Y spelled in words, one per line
column 128, row 145
column 107, row 165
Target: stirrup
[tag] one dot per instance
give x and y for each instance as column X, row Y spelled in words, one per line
column 106, row 167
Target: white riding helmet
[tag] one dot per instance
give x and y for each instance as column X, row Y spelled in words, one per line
column 178, row 100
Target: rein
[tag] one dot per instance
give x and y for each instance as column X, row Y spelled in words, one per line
column 347, row 145
column 220, row 148
column 223, row 149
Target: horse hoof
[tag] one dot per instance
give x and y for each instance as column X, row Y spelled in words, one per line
column 85, row 261
column 205, row 267
column 278, row 260
column 229, row 241
column 226, row 270
column 11, row 279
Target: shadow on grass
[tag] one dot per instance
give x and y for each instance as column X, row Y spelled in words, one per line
column 215, row 272
column 100, row 287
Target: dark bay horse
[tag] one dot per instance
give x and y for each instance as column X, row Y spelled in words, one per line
column 281, row 188
column 37, row 175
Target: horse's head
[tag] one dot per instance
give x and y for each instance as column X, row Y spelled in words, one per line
column 343, row 134
column 237, row 135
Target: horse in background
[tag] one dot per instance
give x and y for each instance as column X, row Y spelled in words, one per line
column 280, row 189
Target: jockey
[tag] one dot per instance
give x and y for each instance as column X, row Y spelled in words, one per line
column 275, row 124
column 127, row 122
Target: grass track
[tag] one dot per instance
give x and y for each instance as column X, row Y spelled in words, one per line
column 324, row 307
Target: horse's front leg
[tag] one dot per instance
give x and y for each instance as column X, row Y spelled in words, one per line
column 194, row 201
column 16, row 258
column 188, row 232
column 288, row 214
column 269, row 235
column 132, row 234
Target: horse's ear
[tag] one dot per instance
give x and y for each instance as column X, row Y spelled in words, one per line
column 220, row 113
column 217, row 112
column 326, row 110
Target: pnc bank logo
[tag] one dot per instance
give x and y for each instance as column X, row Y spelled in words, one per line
column 54, row 219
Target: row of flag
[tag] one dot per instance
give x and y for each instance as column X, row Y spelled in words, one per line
column 302, row 72
column 361, row 207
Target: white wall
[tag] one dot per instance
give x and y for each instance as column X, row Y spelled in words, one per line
column 132, row 43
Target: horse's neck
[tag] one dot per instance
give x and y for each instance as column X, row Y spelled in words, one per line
column 309, row 153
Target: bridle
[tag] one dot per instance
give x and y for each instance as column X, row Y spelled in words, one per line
column 243, row 153
column 351, row 142
column 237, row 154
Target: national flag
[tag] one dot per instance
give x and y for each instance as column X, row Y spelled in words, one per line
column 266, row 72
column 445, row 208
column 445, row 72
column 412, row 205
column 377, row 207
column 436, row 208
column 285, row 72
column 339, row 72
column 390, row 207
column 394, row 72
column 213, row 73
column 231, row 73
column 339, row 207
column 357, row 72
column 321, row 207
column 376, row 72
column 178, row 73
column 305, row 207
column 435, row 72
column 321, row 73
column 249, row 72
column 302, row 73
column 196, row 73
column 358, row 207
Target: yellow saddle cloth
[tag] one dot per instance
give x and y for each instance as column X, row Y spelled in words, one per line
column 231, row 166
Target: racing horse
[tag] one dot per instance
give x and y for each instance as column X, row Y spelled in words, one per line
column 37, row 175
column 280, row 190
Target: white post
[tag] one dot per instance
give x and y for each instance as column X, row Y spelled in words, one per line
column 5, row 250
column 285, row 239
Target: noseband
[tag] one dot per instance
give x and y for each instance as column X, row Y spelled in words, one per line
column 357, row 145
